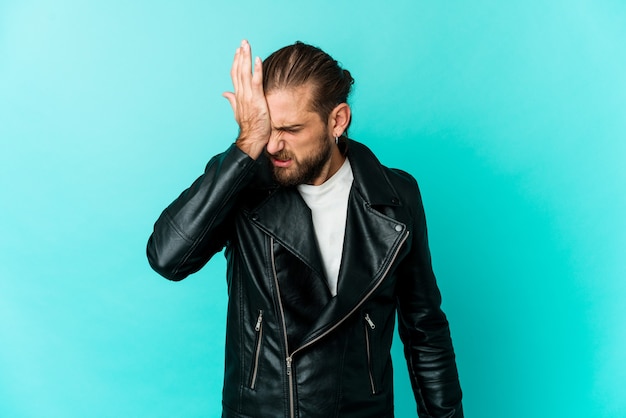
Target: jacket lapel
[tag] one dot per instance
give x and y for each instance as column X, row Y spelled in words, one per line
column 286, row 217
column 371, row 237
column 371, row 243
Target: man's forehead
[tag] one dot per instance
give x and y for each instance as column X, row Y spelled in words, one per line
column 290, row 106
column 300, row 93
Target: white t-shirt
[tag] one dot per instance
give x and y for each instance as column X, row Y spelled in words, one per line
column 329, row 206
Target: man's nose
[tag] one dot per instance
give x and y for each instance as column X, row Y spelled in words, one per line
column 275, row 143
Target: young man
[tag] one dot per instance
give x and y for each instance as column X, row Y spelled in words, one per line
column 324, row 245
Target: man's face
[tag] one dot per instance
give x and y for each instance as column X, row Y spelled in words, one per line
column 300, row 146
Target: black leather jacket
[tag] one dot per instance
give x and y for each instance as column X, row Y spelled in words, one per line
column 293, row 350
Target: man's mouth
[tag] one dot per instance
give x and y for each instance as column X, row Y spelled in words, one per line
column 279, row 162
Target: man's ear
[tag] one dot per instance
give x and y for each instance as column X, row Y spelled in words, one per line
column 339, row 119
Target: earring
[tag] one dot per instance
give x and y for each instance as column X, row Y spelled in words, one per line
column 336, row 140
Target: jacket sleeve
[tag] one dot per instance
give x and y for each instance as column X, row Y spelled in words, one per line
column 424, row 329
column 198, row 223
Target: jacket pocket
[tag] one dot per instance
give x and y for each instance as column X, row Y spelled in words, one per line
column 369, row 328
column 258, row 329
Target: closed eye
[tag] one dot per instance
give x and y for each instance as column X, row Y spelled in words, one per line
column 289, row 129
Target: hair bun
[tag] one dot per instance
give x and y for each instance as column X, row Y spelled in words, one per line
column 348, row 76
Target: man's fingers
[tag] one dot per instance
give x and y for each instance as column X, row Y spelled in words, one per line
column 245, row 69
column 234, row 70
column 241, row 72
column 239, row 66
column 257, row 77
column 248, row 100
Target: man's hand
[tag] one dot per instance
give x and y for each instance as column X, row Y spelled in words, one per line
column 248, row 102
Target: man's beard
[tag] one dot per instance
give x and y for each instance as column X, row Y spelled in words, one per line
column 306, row 170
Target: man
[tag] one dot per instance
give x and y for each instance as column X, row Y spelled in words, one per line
column 323, row 246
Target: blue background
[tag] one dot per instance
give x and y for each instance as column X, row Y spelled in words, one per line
column 510, row 114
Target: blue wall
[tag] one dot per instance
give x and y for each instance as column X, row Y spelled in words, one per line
column 510, row 114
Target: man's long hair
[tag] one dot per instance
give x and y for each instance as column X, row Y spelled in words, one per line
column 298, row 64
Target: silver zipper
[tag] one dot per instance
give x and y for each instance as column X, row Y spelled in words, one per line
column 371, row 325
column 257, row 327
column 292, row 407
column 289, row 358
column 259, row 337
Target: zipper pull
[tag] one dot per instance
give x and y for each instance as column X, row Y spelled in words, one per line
column 289, row 359
column 258, row 321
column 369, row 321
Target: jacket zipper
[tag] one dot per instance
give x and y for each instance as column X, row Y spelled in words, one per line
column 289, row 358
column 369, row 326
column 258, row 328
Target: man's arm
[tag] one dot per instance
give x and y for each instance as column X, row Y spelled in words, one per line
column 197, row 224
column 424, row 330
